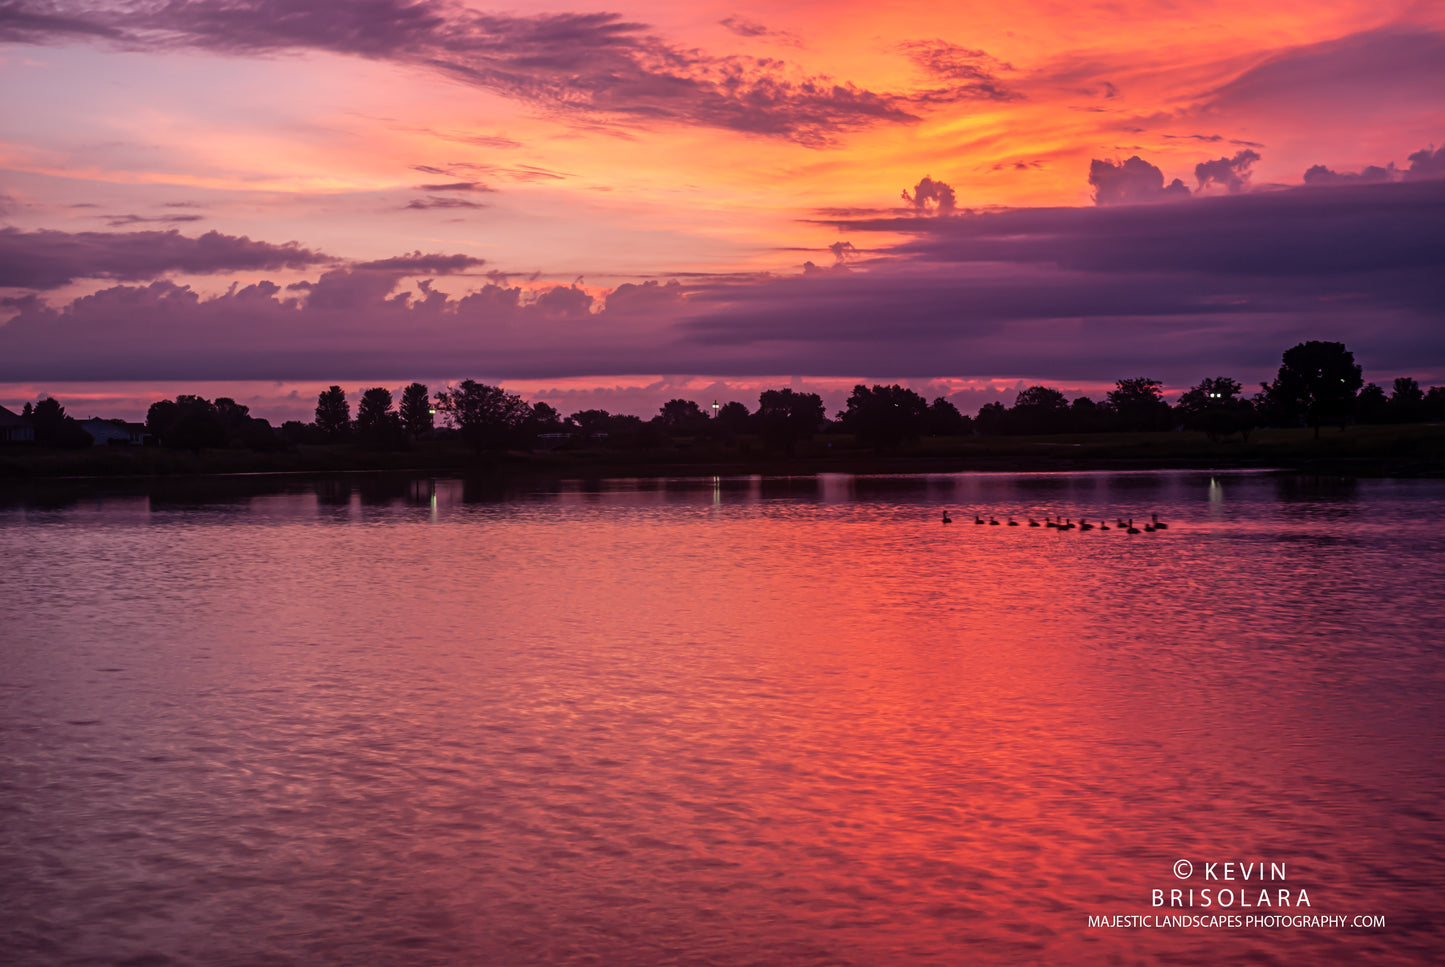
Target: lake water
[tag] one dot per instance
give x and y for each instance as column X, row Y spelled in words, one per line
column 378, row 721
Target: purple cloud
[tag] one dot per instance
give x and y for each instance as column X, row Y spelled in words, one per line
column 744, row 27
column 962, row 74
column 1230, row 173
column 1371, row 175
column 593, row 66
column 457, row 186
column 48, row 259
column 1131, row 182
column 931, row 197
column 418, row 264
column 443, row 202
column 1426, row 163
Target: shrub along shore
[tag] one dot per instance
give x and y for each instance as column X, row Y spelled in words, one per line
column 1363, row 450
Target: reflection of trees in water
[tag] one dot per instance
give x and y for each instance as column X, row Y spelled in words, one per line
column 1331, row 497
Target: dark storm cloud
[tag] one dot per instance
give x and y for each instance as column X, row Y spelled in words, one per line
column 593, row 66
column 48, row 259
column 1131, row 182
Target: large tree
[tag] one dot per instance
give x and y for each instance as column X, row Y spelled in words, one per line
column 1138, row 404
column 1317, row 382
column 785, row 417
column 377, row 424
column 1215, row 408
column 1039, row 409
column 884, row 416
column 416, row 409
column 681, row 417
column 487, row 416
column 333, row 413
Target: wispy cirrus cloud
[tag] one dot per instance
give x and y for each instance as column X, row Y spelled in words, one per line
column 592, row 66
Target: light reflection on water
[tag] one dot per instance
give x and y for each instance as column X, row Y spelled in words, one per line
column 782, row 721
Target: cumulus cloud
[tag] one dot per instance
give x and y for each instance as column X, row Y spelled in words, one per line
column 1131, row 182
column 48, row 259
column 1426, row 163
column 1229, row 173
column 931, row 197
column 1371, row 175
column 594, row 66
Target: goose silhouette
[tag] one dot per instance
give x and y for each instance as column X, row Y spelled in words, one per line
column 947, row 519
column 1159, row 525
column 1132, row 529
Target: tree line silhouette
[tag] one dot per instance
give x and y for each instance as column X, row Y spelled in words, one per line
column 1318, row 384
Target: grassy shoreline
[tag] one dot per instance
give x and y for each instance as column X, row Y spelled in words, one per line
column 1404, row 450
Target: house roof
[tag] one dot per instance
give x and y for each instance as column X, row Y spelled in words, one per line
column 7, row 418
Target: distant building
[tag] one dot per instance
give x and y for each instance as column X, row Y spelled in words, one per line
column 14, row 429
column 114, row 433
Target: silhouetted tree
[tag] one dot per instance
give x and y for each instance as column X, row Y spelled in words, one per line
column 192, row 422
column 259, row 435
column 1317, row 382
column 592, row 423
column 488, row 417
column 416, row 410
column 681, row 418
column 377, row 424
column 1039, row 409
column 160, row 417
column 48, row 418
column 1407, row 402
column 233, row 416
column 784, row 417
column 1138, row 405
column 884, row 416
column 992, row 419
column 733, row 417
column 1215, row 408
column 333, row 413
column 27, row 412
column 1434, row 405
column 943, row 419
column 1086, row 416
column 1371, row 405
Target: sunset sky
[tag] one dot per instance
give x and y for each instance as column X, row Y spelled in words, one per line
column 614, row 205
